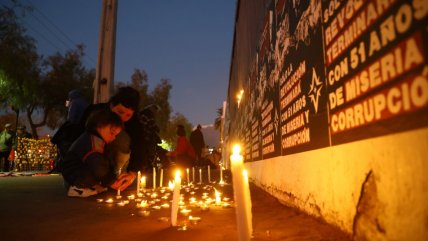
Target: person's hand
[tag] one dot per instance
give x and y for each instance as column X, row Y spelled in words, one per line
column 123, row 181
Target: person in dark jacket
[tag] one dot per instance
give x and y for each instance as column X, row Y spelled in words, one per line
column 126, row 150
column 85, row 167
column 198, row 143
column 77, row 104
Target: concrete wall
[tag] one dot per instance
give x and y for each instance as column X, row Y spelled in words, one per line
column 375, row 189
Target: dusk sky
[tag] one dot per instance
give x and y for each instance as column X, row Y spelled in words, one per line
column 188, row 42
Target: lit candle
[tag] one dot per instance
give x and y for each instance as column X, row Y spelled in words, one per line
column 118, row 190
column 175, row 198
column 143, row 182
column 242, row 215
column 188, row 176
column 193, row 174
column 138, row 181
column 161, row 178
column 200, row 175
column 209, row 174
column 247, row 196
column 217, row 197
column 221, row 174
column 154, row 177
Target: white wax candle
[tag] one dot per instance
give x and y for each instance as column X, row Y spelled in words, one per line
column 242, row 217
column 209, row 174
column 193, row 174
column 175, row 198
column 143, row 182
column 138, row 181
column 221, row 174
column 188, row 176
column 200, row 175
column 154, row 177
column 161, row 178
column 247, row 195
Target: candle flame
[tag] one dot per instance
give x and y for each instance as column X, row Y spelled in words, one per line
column 236, row 149
column 171, row 185
column 177, row 174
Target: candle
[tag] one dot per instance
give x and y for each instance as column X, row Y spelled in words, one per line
column 209, row 174
column 200, row 175
column 161, row 178
column 221, row 174
column 247, row 196
column 118, row 190
column 217, row 198
column 242, row 205
column 138, row 182
column 194, row 220
column 188, row 176
column 143, row 182
column 175, row 198
column 193, row 174
column 185, row 212
column 154, row 177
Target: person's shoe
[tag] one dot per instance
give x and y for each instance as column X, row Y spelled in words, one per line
column 74, row 191
column 99, row 189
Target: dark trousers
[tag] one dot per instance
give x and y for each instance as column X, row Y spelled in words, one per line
column 4, row 155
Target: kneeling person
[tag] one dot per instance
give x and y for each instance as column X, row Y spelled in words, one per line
column 85, row 168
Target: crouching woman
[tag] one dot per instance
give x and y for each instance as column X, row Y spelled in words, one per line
column 86, row 171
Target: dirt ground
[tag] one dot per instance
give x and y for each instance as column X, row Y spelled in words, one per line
column 37, row 208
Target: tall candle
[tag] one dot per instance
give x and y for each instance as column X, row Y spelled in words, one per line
column 161, row 178
column 154, row 177
column 118, row 190
column 209, row 174
column 143, row 182
column 242, row 217
column 221, row 174
column 200, row 175
column 138, row 181
column 247, row 195
column 175, row 198
column 188, row 176
column 193, row 174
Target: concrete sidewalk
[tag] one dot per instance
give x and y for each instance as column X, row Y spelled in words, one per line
column 36, row 208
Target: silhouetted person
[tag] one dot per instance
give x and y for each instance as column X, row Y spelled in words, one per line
column 198, row 143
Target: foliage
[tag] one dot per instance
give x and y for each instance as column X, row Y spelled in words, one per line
column 19, row 70
column 63, row 73
column 217, row 121
column 29, row 83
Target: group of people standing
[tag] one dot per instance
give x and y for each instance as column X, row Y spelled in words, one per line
column 111, row 142
column 9, row 144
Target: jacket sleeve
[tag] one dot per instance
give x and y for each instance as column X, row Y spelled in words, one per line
column 100, row 168
column 138, row 161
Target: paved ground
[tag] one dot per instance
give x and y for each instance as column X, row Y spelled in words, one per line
column 36, row 208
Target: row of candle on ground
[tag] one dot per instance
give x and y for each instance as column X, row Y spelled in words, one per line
column 151, row 197
column 142, row 180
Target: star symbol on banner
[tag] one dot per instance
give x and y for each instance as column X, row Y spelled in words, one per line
column 315, row 89
column 276, row 122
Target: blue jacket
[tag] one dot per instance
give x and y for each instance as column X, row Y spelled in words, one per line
column 77, row 106
column 84, row 164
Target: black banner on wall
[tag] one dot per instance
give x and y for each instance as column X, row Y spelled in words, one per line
column 302, row 90
column 376, row 67
column 330, row 72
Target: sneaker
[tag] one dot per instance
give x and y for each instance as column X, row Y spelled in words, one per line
column 74, row 191
column 99, row 189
